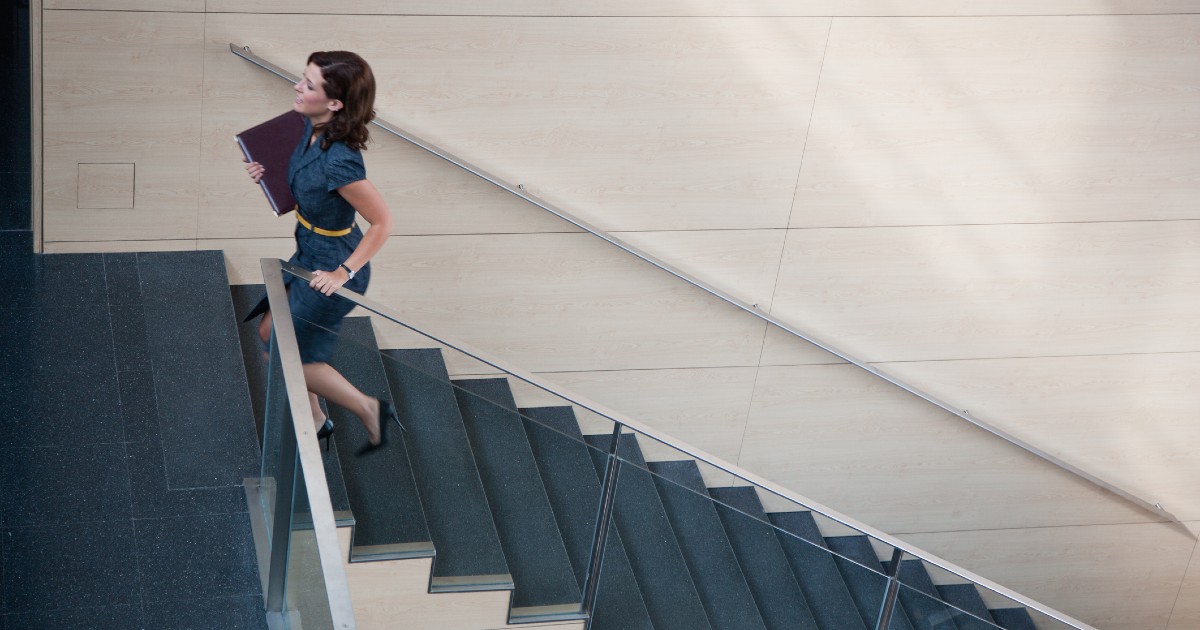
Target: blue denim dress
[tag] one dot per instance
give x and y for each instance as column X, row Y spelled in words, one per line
column 314, row 176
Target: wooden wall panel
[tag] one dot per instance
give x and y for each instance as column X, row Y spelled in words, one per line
column 915, row 468
column 741, row 263
column 1004, row 120
column 781, row 347
column 631, row 135
column 705, row 8
column 925, row 293
column 426, row 194
column 627, row 133
column 122, row 87
column 93, row 247
column 1110, row 576
column 1186, row 613
column 1130, row 417
column 548, row 302
column 173, row 6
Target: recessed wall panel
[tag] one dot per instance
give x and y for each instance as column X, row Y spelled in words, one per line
column 887, row 458
column 122, row 88
column 994, row 291
column 1110, row 576
column 944, row 121
column 1129, row 418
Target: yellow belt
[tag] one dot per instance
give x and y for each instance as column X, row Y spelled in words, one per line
column 322, row 232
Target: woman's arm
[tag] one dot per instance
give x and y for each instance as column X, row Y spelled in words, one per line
column 370, row 205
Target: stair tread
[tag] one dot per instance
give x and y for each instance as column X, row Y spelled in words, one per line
column 816, row 571
column 1013, row 619
column 661, row 570
column 920, row 599
column 966, row 597
column 864, row 579
column 389, row 520
column 574, row 492
column 774, row 587
column 529, row 536
column 706, row 548
column 245, row 297
column 183, row 321
column 469, row 556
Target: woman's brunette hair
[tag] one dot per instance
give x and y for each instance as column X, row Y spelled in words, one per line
column 348, row 79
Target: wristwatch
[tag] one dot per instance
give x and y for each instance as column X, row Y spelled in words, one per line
column 348, row 270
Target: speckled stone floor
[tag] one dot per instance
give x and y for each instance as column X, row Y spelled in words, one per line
column 121, row 504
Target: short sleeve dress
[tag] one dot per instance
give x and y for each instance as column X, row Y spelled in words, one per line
column 314, row 175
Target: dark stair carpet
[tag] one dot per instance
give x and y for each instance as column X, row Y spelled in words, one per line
column 920, row 598
column 129, row 439
column 245, row 297
column 570, row 480
column 388, row 519
column 658, row 564
column 706, row 549
column 544, row 583
column 188, row 312
column 774, row 587
column 862, row 571
column 1013, row 619
column 966, row 597
column 817, row 572
column 469, row 555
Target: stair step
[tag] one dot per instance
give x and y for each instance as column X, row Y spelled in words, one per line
column 921, row 600
column 570, row 480
column 705, row 546
column 544, row 583
column 389, row 520
column 469, row 556
column 245, row 297
column 186, row 314
column 667, row 586
column 774, row 587
column 866, row 582
column 1013, row 619
column 966, row 598
column 817, row 572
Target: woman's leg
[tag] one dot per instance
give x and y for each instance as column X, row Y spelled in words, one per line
column 264, row 333
column 264, row 329
column 329, row 384
column 318, row 414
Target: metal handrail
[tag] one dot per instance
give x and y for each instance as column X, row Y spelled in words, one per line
column 683, row 447
column 300, row 447
column 519, row 190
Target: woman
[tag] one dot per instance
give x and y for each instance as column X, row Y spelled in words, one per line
column 328, row 179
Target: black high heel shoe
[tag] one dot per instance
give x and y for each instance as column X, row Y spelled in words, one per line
column 325, row 432
column 386, row 412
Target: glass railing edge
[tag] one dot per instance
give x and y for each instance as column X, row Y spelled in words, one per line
column 308, row 464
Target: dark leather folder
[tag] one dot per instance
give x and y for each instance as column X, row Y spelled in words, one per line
column 271, row 144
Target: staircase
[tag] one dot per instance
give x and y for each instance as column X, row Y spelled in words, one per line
column 502, row 498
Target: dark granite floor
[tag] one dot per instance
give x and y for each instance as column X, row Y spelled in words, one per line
column 119, row 507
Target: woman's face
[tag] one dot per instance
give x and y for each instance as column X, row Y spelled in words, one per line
column 310, row 96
